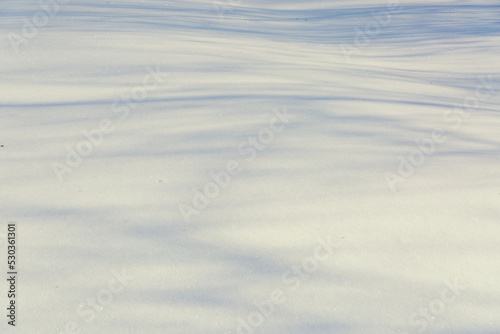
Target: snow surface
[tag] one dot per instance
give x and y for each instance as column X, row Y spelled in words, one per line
column 226, row 69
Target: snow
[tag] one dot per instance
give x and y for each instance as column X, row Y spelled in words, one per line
column 389, row 157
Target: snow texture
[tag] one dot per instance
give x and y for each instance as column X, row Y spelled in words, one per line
column 355, row 145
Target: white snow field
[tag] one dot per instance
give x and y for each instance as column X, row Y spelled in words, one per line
column 251, row 166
